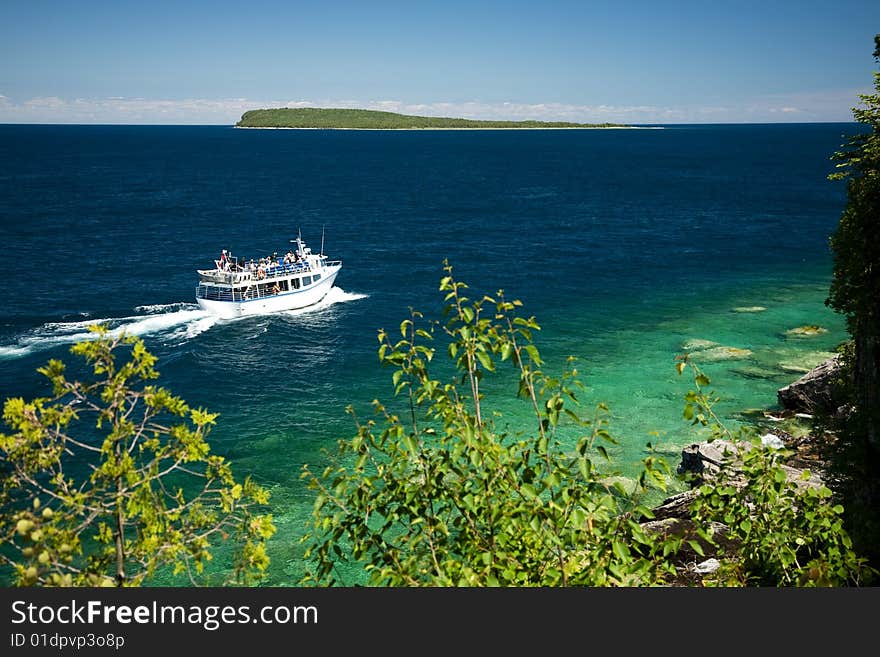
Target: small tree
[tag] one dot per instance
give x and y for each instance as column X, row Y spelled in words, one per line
column 440, row 495
column 108, row 482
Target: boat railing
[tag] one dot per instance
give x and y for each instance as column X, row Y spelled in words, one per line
column 238, row 277
column 284, row 268
column 228, row 277
column 214, row 293
column 253, row 288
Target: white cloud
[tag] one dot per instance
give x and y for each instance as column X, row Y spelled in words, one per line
column 825, row 106
column 52, row 109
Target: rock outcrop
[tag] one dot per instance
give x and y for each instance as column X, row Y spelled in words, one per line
column 703, row 461
column 815, row 391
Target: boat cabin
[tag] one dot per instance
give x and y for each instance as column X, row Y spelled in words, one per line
column 221, row 285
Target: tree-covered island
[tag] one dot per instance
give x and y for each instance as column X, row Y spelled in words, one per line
column 360, row 119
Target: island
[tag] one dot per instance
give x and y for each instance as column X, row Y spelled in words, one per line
column 360, row 119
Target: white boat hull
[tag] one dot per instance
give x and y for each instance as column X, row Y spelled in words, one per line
column 291, row 300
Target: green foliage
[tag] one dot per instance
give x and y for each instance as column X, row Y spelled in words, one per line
column 314, row 117
column 110, row 480
column 855, row 292
column 855, row 287
column 768, row 528
column 438, row 495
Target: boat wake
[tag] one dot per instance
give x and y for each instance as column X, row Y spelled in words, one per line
column 334, row 296
column 175, row 323
column 174, row 320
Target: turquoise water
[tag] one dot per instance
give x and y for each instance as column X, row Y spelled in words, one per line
column 625, row 245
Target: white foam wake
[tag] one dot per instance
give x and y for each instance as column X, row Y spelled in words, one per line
column 186, row 322
column 334, row 296
column 164, row 307
column 176, row 322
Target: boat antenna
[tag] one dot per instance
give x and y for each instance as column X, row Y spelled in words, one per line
column 298, row 242
column 322, row 239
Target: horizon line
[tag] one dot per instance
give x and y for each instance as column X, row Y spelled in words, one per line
column 233, row 125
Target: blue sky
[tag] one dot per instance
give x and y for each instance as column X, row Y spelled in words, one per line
column 87, row 61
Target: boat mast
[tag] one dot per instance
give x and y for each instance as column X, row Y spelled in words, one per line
column 322, row 240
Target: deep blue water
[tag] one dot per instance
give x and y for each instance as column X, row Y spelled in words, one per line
column 623, row 243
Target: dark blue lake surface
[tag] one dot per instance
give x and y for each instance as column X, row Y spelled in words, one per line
column 625, row 244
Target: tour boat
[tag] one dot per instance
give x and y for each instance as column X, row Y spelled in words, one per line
column 238, row 286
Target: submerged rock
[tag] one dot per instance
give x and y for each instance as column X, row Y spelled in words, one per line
column 698, row 345
column 625, row 485
column 709, row 352
column 722, row 353
column 805, row 362
column 756, row 372
column 805, row 331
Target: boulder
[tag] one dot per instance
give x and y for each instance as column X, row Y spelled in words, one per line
column 676, row 506
column 814, row 391
column 705, row 459
column 707, row 567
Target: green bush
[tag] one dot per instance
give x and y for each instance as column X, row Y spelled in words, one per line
column 768, row 528
column 111, row 480
column 436, row 494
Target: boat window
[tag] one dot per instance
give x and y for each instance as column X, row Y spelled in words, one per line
column 307, row 280
column 294, row 283
column 317, row 277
